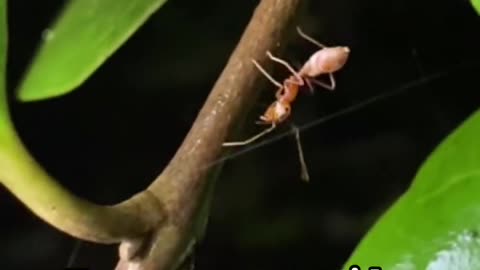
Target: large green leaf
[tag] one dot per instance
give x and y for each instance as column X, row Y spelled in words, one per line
column 476, row 5
column 84, row 36
column 436, row 223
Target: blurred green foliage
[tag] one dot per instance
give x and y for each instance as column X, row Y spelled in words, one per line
column 435, row 224
column 86, row 33
column 3, row 54
column 476, row 5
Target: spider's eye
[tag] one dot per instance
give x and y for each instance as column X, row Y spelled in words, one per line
column 285, row 112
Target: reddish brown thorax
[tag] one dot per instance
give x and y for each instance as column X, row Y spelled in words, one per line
column 280, row 109
column 289, row 91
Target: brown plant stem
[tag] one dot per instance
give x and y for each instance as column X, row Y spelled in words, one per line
column 185, row 184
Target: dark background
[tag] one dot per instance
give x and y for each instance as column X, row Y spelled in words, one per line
column 112, row 136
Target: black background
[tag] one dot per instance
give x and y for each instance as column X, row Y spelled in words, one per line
column 112, row 136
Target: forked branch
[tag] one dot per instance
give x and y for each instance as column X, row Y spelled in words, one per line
column 158, row 226
column 184, row 186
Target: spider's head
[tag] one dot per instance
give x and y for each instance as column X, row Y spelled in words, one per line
column 276, row 113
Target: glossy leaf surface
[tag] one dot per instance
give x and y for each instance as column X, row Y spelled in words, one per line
column 476, row 5
column 436, row 223
column 84, row 36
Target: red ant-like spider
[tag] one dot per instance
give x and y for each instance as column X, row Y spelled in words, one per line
column 327, row 60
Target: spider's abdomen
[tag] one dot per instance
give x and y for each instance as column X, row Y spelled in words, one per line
column 324, row 61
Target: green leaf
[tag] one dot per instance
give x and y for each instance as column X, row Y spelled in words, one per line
column 5, row 123
column 435, row 225
column 83, row 37
column 476, row 5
